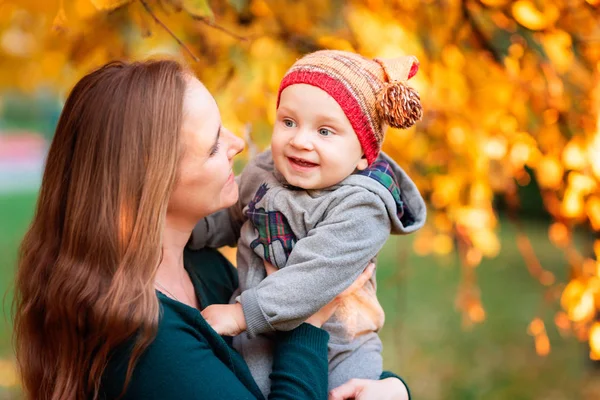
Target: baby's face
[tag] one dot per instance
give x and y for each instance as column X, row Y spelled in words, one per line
column 313, row 143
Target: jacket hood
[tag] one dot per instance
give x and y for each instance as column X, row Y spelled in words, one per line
column 405, row 205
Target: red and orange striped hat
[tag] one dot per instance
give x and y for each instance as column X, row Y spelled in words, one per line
column 372, row 93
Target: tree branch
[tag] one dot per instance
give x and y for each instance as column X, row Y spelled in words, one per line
column 532, row 262
column 212, row 24
column 478, row 33
column 166, row 28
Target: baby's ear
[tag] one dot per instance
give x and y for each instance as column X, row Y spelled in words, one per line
column 362, row 164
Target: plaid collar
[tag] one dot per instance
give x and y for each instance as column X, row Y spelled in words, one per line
column 382, row 172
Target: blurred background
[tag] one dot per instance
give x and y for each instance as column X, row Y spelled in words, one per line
column 498, row 296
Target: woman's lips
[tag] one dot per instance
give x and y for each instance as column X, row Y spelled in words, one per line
column 231, row 178
column 300, row 164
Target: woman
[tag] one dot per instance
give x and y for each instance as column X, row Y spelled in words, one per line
column 107, row 305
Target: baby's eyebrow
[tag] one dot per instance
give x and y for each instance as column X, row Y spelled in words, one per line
column 285, row 110
column 328, row 120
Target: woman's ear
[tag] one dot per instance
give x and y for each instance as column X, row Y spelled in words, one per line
column 362, row 164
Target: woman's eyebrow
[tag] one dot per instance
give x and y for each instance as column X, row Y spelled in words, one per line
column 213, row 148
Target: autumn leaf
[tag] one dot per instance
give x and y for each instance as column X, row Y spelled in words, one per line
column 530, row 17
column 108, row 5
column 494, row 3
column 198, row 8
column 239, row 5
column 60, row 21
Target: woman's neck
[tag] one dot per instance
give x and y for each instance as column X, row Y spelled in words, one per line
column 174, row 241
column 171, row 274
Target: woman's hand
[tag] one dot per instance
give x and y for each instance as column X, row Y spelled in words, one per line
column 367, row 389
column 225, row 319
column 321, row 316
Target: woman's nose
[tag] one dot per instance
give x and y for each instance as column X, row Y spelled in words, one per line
column 301, row 140
column 235, row 144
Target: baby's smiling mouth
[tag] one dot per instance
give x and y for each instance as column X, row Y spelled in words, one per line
column 302, row 163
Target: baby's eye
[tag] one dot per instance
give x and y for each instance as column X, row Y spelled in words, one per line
column 325, row 132
column 289, row 123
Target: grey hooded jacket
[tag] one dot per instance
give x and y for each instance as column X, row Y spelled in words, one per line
column 321, row 241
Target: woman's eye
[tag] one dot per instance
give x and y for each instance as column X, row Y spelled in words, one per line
column 325, row 132
column 215, row 149
column 289, row 123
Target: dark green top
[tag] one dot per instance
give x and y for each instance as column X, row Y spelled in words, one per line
column 189, row 360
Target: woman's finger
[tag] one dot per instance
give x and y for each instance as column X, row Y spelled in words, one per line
column 348, row 390
column 269, row 268
column 360, row 281
column 321, row 316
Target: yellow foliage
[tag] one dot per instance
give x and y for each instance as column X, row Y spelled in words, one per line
column 572, row 206
column 442, row 244
column 476, row 312
column 486, row 241
column 594, row 153
column 60, row 21
column 574, row 156
column 593, row 213
column 109, row 4
column 559, row 234
column 558, row 46
column 260, row 8
column 561, row 320
column 494, row 3
column 198, row 8
column 549, row 173
column 582, row 184
column 536, row 327
column 530, row 17
column 423, row 243
column 595, row 341
column 8, row 374
column 334, row 43
column 84, row 9
column 578, row 300
column 542, row 345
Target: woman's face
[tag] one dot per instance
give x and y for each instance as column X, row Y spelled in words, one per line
column 205, row 181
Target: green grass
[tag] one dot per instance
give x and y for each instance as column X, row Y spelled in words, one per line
column 425, row 342
column 423, row 337
column 15, row 213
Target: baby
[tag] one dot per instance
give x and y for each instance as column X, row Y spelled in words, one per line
column 319, row 205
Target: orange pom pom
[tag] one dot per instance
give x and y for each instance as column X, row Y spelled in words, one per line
column 399, row 105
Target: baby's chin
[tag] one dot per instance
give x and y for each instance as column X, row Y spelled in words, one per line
column 297, row 182
column 306, row 184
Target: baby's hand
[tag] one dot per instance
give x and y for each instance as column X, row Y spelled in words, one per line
column 225, row 319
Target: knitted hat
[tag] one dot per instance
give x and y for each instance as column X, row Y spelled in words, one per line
column 372, row 93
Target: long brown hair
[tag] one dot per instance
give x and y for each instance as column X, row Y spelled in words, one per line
column 84, row 283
